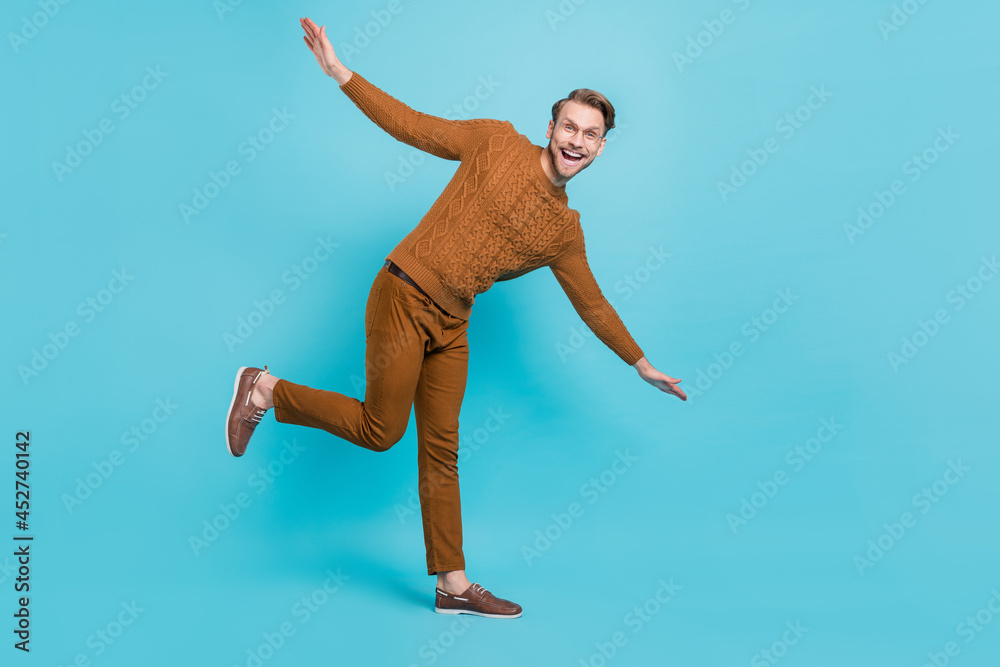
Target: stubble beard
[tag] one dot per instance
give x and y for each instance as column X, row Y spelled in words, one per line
column 557, row 165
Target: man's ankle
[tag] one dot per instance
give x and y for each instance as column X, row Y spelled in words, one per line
column 454, row 582
column 263, row 392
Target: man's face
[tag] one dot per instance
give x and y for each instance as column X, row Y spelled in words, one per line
column 563, row 149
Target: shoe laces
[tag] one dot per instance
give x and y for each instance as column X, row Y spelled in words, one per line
column 259, row 412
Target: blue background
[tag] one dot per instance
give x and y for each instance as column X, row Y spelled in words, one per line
column 571, row 403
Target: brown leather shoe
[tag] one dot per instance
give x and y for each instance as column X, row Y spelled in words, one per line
column 243, row 416
column 475, row 600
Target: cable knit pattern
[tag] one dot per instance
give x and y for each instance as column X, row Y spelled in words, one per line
column 498, row 218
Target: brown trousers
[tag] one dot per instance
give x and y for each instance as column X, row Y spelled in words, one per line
column 416, row 354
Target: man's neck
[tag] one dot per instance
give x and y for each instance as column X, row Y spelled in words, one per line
column 557, row 180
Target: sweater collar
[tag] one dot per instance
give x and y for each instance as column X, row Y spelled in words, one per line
column 550, row 187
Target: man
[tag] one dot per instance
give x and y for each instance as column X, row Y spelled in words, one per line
column 503, row 214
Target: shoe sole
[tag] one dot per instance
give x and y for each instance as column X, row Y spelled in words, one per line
column 232, row 403
column 477, row 613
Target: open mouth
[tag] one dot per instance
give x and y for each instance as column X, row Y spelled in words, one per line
column 570, row 158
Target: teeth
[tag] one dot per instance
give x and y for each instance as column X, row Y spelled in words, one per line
column 571, row 153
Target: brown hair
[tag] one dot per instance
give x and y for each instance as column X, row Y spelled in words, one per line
column 591, row 98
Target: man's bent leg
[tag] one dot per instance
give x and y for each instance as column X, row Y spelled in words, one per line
column 437, row 403
column 394, row 352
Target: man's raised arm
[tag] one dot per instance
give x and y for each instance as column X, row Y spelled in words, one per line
column 448, row 139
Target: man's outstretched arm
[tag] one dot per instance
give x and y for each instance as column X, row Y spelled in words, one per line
column 573, row 272
column 448, row 139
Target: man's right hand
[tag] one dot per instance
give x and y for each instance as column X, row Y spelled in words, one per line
column 661, row 381
column 320, row 46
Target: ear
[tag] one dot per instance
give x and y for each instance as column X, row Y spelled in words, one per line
column 548, row 132
column 600, row 149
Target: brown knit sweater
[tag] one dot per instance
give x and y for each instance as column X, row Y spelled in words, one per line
column 499, row 217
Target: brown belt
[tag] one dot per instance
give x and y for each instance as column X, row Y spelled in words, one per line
column 395, row 270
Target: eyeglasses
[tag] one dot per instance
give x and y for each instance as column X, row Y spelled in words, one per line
column 570, row 130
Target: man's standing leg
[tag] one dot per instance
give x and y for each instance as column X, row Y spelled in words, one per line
column 437, row 403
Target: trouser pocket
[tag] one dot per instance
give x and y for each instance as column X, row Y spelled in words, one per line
column 371, row 308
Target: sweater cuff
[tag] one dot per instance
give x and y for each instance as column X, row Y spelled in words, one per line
column 350, row 82
column 631, row 355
